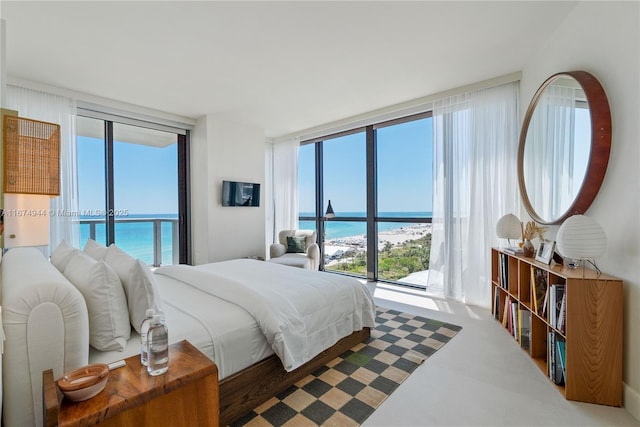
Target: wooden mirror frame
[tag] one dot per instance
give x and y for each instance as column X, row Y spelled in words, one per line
column 600, row 145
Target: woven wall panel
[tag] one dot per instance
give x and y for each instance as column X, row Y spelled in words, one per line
column 31, row 156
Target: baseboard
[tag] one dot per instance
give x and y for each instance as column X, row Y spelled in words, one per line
column 631, row 401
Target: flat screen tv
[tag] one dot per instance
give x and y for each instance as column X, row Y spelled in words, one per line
column 236, row 193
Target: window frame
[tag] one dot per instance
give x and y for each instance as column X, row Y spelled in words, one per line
column 183, row 170
column 371, row 217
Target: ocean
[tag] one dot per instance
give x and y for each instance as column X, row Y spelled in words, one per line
column 134, row 233
column 135, row 237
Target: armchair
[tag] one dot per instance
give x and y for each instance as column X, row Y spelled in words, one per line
column 286, row 253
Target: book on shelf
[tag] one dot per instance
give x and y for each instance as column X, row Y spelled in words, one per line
column 496, row 305
column 503, row 278
column 513, row 250
column 524, row 317
column 545, row 303
column 562, row 315
column 514, row 319
column 554, row 360
column 550, row 355
column 555, row 302
column 539, row 287
column 505, row 313
column 562, row 356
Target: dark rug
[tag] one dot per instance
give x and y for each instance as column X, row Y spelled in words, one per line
column 348, row 389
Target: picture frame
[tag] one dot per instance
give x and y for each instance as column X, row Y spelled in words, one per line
column 545, row 251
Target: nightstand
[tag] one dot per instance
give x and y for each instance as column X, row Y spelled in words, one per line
column 187, row 395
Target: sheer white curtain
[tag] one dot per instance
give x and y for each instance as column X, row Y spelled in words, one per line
column 475, row 183
column 55, row 109
column 285, row 187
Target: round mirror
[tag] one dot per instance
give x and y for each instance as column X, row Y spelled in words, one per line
column 564, row 147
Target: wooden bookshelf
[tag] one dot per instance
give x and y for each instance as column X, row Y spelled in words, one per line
column 591, row 330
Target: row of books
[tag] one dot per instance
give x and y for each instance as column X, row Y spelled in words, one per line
column 544, row 296
column 517, row 321
column 503, row 271
column 558, row 300
column 556, row 358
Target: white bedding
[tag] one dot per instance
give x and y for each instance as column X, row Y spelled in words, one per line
column 238, row 338
column 299, row 312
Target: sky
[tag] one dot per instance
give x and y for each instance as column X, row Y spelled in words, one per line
column 145, row 178
column 405, row 158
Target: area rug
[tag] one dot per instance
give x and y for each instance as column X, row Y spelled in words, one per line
column 348, row 389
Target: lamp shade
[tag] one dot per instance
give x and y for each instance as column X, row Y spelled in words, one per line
column 26, row 220
column 509, row 227
column 580, row 237
column 329, row 213
column 31, row 156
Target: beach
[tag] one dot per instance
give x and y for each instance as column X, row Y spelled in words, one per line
column 334, row 248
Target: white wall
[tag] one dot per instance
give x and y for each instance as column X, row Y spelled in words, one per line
column 222, row 150
column 603, row 38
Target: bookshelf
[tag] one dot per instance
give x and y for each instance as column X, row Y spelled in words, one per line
column 586, row 320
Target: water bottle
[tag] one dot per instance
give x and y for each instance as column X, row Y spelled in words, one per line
column 158, row 345
column 144, row 329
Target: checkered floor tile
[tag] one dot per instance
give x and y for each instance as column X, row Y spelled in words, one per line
column 348, row 389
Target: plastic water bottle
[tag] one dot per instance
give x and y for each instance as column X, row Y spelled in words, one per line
column 144, row 329
column 158, row 345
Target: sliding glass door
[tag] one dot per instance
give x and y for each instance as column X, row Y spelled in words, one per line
column 344, row 171
column 404, row 170
column 379, row 181
column 132, row 189
column 145, row 175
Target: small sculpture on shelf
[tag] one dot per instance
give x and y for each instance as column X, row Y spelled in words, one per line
column 530, row 232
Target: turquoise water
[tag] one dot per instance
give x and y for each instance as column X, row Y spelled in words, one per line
column 135, row 238
column 342, row 229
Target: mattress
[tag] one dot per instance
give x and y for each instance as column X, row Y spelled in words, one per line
column 240, row 312
column 237, row 335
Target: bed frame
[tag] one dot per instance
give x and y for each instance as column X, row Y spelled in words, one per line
column 244, row 390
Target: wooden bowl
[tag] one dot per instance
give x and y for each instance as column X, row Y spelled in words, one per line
column 84, row 383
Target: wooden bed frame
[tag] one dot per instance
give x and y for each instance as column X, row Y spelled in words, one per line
column 244, row 390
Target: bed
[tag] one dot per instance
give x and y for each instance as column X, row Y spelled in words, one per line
column 265, row 325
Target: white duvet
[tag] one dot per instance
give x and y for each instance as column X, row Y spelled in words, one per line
column 300, row 312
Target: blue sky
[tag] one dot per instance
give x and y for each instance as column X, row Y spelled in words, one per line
column 146, row 178
column 405, row 158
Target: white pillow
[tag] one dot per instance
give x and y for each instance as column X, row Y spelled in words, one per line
column 109, row 327
column 121, row 262
column 142, row 293
column 61, row 255
column 139, row 284
column 95, row 250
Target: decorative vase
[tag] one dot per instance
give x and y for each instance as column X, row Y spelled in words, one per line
column 528, row 248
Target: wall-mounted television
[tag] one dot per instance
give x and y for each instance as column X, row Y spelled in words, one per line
column 235, row 193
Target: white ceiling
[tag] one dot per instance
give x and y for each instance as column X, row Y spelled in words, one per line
column 279, row 66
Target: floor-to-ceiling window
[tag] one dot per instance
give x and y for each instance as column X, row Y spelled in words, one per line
column 132, row 189
column 344, row 166
column 404, row 174
column 379, row 182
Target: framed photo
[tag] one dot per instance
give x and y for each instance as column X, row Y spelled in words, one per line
column 545, row 251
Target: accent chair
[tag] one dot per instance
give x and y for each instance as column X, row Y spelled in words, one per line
column 296, row 248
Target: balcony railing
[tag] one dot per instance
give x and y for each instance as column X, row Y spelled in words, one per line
column 137, row 241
